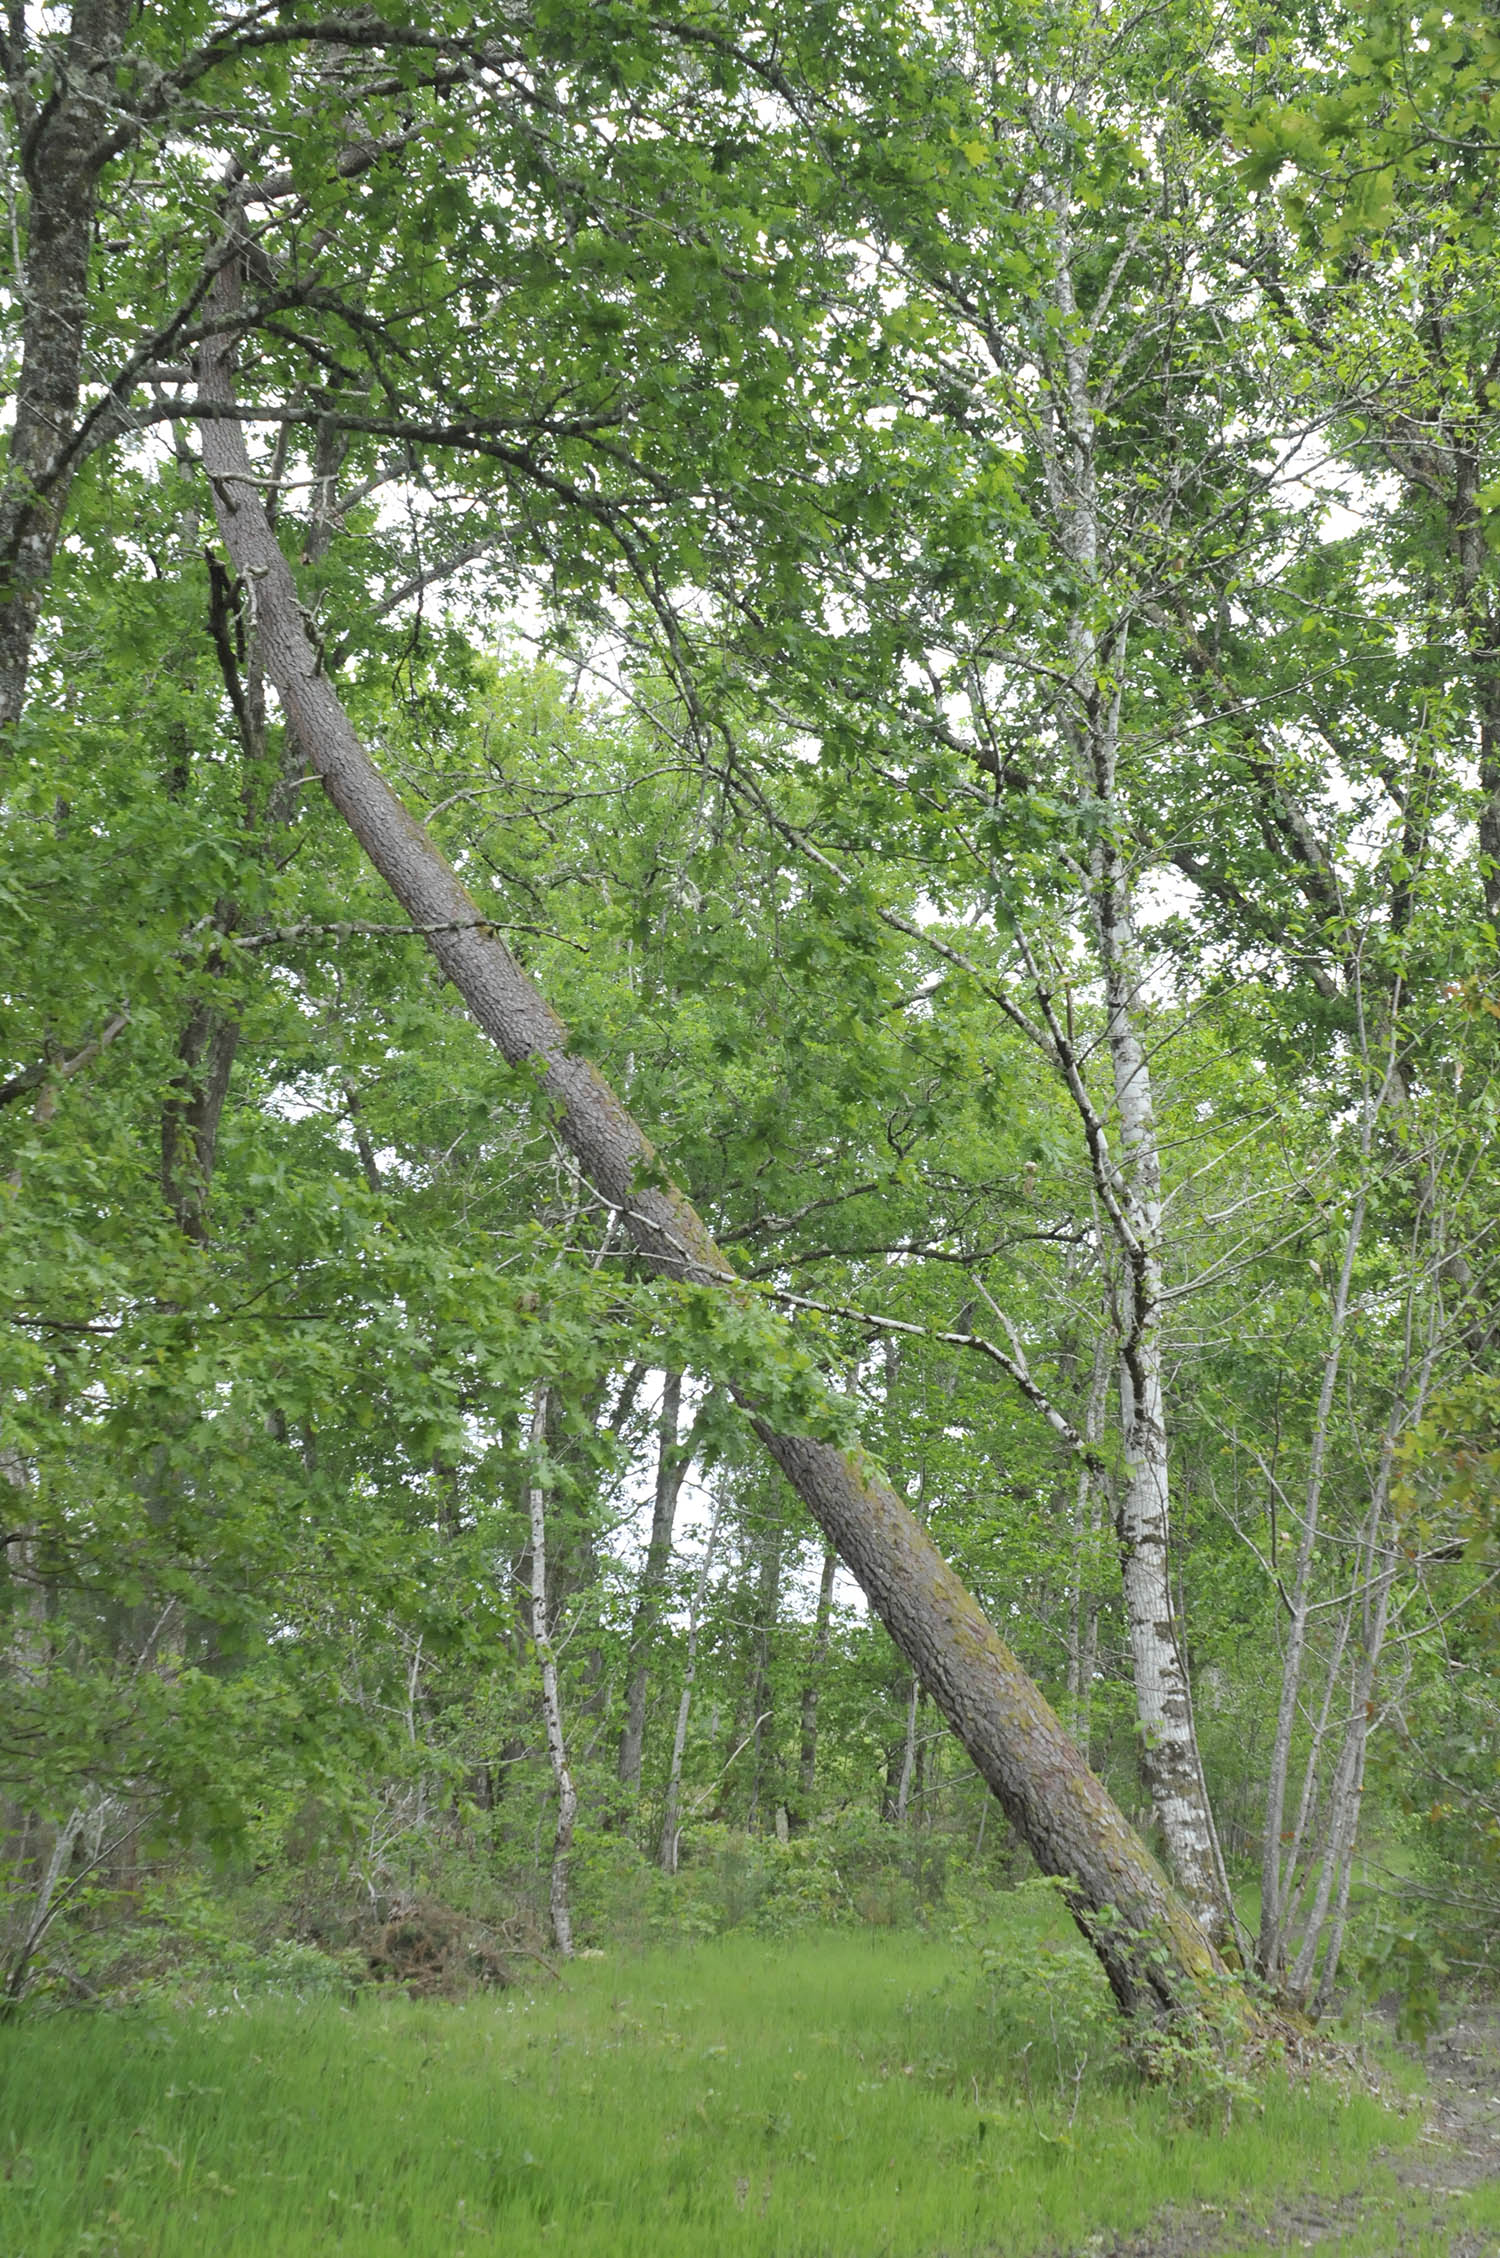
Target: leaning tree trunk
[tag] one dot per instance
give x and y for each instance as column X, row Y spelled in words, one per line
column 1157, row 1958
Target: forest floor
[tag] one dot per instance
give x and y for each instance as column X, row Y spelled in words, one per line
column 837, row 2094
column 1437, row 2198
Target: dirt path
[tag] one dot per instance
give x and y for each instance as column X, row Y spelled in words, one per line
column 1458, row 2148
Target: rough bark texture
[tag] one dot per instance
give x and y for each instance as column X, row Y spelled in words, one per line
column 65, row 150
column 1156, row 1956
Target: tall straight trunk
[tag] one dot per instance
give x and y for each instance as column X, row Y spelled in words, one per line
column 552, row 1718
column 812, row 1684
column 1163, row 1703
column 670, row 1823
column 1130, row 1188
column 908, row 1755
column 1157, row 1957
column 1286, row 1886
column 671, row 1465
column 762, row 1689
column 24, row 1833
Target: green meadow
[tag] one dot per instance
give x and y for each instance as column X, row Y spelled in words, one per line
column 866, row 2095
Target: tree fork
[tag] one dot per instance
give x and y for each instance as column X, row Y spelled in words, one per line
column 1158, row 1961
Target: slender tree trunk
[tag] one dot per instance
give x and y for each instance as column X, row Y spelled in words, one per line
column 37, row 1917
column 817, row 1662
column 671, row 1465
column 23, row 1860
column 908, row 1756
column 670, row 1823
column 1347, row 1785
column 557, row 1752
column 1156, row 1956
column 762, row 1689
column 1277, row 1871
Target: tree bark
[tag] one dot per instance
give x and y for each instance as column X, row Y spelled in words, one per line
column 190, row 1116
column 1156, row 1956
column 68, row 144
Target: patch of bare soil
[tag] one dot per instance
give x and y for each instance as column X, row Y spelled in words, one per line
column 1458, row 2147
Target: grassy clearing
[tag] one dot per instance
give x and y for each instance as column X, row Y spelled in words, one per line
column 874, row 2095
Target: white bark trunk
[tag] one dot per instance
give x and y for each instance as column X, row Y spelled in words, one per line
column 1164, row 1715
column 1130, row 1190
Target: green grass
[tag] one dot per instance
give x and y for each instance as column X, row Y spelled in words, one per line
column 842, row 2095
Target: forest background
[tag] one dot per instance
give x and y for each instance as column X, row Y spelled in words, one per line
column 934, row 579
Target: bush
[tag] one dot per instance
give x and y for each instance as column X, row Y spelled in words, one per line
column 437, row 1954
